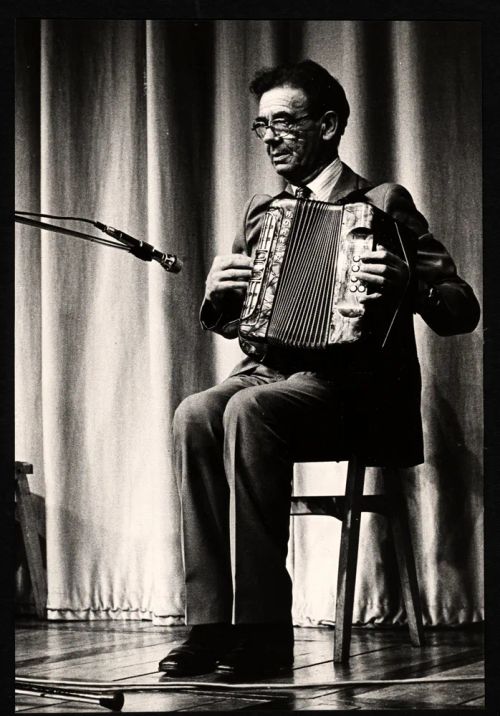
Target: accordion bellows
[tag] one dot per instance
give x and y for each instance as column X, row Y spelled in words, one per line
column 304, row 291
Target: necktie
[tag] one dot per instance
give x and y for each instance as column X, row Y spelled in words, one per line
column 303, row 192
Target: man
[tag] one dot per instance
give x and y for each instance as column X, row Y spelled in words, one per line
column 235, row 444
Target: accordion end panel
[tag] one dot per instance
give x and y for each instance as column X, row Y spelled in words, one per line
column 259, row 300
column 347, row 312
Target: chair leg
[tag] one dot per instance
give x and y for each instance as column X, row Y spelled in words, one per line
column 398, row 518
column 348, row 559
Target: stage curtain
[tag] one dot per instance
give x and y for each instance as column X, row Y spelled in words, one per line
column 144, row 125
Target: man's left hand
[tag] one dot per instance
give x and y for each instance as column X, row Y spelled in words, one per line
column 385, row 274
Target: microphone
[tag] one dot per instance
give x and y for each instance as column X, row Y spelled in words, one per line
column 142, row 249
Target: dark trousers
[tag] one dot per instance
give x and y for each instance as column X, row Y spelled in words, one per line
column 234, row 450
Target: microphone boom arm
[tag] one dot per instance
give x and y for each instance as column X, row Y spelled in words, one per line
column 140, row 249
column 68, row 232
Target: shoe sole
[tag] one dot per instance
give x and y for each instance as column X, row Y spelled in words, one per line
column 256, row 674
column 175, row 671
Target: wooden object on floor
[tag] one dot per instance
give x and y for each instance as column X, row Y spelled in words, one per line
column 348, row 508
column 28, row 522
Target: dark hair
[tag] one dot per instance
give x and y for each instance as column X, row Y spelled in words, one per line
column 323, row 91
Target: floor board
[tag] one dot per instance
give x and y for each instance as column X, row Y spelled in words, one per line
column 129, row 652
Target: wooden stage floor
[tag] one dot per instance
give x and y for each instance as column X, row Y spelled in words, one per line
column 127, row 652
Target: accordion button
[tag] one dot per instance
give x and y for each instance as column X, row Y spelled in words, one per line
column 353, row 289
column 354, row 268
column 355, row 258
column 361, row 288
column 354, row 279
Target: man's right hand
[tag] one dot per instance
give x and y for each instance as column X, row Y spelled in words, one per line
column 230, row 273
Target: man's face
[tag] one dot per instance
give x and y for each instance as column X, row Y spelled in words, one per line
column 298, row 155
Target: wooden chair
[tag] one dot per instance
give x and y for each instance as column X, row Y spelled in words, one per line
column 348, row 508
column 28, row 522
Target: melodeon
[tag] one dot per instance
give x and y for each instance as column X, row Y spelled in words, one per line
column 304, row 291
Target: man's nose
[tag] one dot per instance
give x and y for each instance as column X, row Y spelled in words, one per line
column 270, row 137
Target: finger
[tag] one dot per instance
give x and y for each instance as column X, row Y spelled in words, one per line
column 372, row 279
column 370, row 297
column 230, row 274
column 232, row 260
column 382, row 256
column 214, row 282
column 378, row 269
column 229, row 286
column 390, row 274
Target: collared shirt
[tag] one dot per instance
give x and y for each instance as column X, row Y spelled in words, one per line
column 322, row 185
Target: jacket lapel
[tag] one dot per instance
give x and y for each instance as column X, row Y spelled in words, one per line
column 348, row 182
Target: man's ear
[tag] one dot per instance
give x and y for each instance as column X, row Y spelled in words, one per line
column 329, row 125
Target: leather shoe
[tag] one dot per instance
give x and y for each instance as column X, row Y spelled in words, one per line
column 261, row 651
column 200, row 652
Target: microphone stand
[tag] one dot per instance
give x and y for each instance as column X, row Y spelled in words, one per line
column 137, row 248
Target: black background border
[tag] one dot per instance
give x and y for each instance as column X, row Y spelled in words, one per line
column 486, row 12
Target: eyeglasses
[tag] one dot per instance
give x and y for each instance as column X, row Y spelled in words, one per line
column 279, row 127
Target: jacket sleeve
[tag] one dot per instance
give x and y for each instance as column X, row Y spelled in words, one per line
column 444, row 300
column 225, row 321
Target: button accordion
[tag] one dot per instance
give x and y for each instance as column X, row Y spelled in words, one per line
column 304, row 291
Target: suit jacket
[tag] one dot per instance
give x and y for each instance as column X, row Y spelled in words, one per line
column 386, row 420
